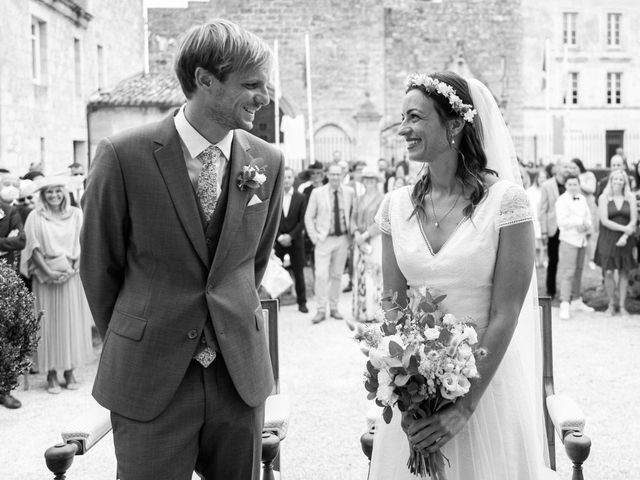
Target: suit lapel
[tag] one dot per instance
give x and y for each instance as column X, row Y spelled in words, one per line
column 170, row 160
column 236, row 199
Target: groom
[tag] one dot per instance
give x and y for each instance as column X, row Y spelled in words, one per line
column 176, row 239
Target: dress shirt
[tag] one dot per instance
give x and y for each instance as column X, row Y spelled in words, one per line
column 193, row 144
column 572, row 212
column 286, row 201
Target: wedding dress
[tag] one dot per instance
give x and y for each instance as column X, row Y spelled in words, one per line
column 502, row 439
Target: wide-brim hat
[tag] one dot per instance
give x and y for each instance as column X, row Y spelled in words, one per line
column 316, row 167
column 368, row 172
column 52, row 181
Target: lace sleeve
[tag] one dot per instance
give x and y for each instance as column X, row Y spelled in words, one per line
column 382, row 217
column 514, row 208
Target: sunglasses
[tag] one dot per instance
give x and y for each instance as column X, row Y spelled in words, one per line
column 23, row 199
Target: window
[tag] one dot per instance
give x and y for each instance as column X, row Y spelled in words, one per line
column 100, row 67
column 571, row 92
column 77, row 66
column 569, row 20
column 614, row 87
column 613, row 29
column 38, row 50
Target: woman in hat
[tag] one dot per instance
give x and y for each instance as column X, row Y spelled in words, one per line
column 368, row 249
column 51, row 258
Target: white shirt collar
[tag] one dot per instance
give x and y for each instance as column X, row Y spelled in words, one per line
column 195, row 142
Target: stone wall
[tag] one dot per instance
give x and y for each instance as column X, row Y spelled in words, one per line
column 51, row 110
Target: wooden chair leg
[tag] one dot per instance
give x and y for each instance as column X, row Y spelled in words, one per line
column 270, row 450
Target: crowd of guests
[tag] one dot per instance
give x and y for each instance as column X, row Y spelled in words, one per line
column 327, row 224
column 584, row 221
column 40, row 224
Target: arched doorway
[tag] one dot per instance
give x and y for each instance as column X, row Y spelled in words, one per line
column 331, row 142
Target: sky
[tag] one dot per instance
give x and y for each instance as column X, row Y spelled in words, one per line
column 169, row 3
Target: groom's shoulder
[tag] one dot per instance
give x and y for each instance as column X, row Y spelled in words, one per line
column 146, row 133
column 259, row 147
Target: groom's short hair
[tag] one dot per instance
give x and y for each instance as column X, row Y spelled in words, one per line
column 220, row 47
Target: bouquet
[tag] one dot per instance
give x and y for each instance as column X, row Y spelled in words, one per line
column 420, row 360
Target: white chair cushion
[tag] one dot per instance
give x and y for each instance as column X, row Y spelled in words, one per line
column 88, row 428
column 276, row 415
column 565, row 414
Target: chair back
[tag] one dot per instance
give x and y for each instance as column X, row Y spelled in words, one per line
column 270, row 309
column 547, row 374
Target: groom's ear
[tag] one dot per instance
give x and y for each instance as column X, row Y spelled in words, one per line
column 204, row 78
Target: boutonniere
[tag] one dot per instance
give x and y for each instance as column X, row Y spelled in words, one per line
column 2, row 214
column 251, row 176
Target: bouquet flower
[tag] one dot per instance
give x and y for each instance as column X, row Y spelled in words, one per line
column 420, row 360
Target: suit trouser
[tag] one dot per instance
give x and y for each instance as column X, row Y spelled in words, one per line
column 570, row 265
column 296, row 255
column 553, row 245
column 206, row 427
column 330, row 257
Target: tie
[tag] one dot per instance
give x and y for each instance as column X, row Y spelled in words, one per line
column 336, row 215
column 208, row 180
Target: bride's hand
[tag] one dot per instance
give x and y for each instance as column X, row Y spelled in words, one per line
column 427, row 435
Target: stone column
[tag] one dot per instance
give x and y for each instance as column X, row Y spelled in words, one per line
column 367, row 147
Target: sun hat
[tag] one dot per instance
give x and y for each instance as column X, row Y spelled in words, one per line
column 370, row 172
column 316, row 166
column 52, row 181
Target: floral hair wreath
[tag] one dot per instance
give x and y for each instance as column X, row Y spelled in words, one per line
column 432, row 85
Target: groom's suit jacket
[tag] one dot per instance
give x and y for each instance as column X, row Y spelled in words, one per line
column 153, row 277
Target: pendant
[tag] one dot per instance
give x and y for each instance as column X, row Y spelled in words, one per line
column 437, row 224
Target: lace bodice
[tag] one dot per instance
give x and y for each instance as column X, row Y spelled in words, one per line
column 463, row 267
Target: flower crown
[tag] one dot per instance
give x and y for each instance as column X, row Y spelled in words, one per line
column 432, row 85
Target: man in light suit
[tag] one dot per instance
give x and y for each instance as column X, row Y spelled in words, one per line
column 290, row 240
column 180, row 220
column 550, row 190
column 328, row 224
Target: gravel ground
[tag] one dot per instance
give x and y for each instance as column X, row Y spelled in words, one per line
column 321, row 371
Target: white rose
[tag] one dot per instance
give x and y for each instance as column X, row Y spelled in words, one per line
column 449, row 319
column 260, row 177
column 431, row 333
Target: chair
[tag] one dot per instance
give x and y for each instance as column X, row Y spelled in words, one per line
column 561, row 413
column 88, row 429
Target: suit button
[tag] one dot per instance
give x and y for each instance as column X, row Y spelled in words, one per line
column 192, row 334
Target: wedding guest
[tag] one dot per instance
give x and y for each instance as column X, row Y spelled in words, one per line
column 12, row 238
column 290, row 239
column 401, row 170
column 614, row 250
column 316, row 178
column 51, row 259
column 533, row 193
column 367, row 250
column 588, row 185
column 327, row 221
column 550, row 190
column 617, row 163
column 25, row 203
column 574, row 222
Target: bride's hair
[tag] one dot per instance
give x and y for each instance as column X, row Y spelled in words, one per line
column 472, row 164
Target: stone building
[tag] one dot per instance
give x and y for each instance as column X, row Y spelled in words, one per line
column 580, row 99
column 360, row 53
column 53, row 55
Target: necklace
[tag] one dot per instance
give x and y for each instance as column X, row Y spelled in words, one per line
column 436, row 221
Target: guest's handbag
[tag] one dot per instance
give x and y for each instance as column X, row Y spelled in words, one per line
column 59, row 264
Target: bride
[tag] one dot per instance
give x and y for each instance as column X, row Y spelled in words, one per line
column 465, row 230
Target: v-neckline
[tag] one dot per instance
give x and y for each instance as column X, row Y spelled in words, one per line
column 455, row 230
column 426, row 238
column 444, row 244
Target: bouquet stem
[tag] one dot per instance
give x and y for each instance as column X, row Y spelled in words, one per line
column 431, row 465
